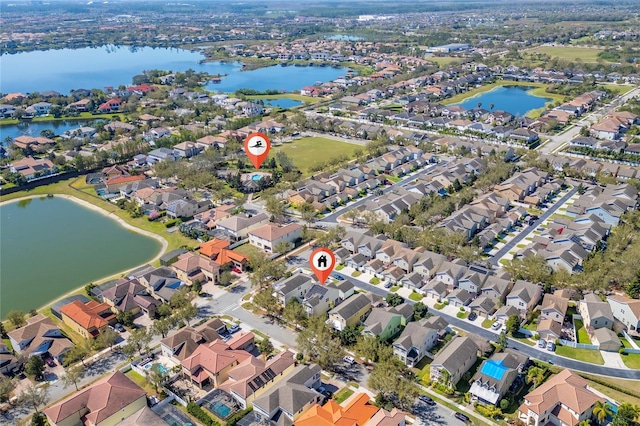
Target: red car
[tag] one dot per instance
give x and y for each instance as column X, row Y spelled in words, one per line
column 50, row 362
column 236, row 270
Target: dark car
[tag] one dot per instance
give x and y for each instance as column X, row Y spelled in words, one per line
column 337, row 277
column 119, row 327
column 50, row 362
column 462, row 417
column 426, row 400
column 472, row 316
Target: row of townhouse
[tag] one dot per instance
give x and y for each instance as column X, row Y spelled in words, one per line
column 572, row 109
column 621, row 172
column 617, row 146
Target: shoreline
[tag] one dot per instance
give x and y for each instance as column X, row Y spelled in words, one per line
column 163, row 249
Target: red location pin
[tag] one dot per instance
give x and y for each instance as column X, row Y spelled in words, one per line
column 257, row 146
column 322, row 262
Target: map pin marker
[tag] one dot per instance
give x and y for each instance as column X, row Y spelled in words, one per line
column 257, row 146
column 322, row 262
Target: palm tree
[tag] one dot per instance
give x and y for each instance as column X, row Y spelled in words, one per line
column 601, row 410
column 585, row 423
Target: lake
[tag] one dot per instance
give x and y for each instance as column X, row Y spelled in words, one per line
column 518, row 100
column 51, row 246
column 282, row 102
column 34, row 128
column 65, row 69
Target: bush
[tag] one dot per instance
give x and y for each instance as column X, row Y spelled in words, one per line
column 171, row 223
column 231, row 421
column 504, row 404
column 621, row 351
column 197, row 412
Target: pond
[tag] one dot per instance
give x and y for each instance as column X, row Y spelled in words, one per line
column 518, row 100
column 96, row 67
column 51, row 246
column 282, row 102
column 34, row 128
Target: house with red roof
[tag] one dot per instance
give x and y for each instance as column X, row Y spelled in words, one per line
column 218, row 251
column 111, row 105
column 210, row 363
column 310, row 91
column 106, row 402
column 88, row 319
column 191, row 267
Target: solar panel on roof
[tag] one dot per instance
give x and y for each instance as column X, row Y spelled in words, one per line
column 494, row 369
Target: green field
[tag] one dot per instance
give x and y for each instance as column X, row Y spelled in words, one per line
column 586, row 355
column 307, row 152
column 570, row 53
column 616, row 88
column 444, row 60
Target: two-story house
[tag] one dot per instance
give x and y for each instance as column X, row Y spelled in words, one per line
column 524, row 296
column 352, row 311
column 453, row 361
column 495, row 376
column 595, row 312
column 627, row 311
column 554, row 307
column 38, row 337
column 385, row 322
column 416, row 340
column 296, row 286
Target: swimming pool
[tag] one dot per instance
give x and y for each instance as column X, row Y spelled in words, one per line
column 161, row 367
column 220, row 409
column 256, row 177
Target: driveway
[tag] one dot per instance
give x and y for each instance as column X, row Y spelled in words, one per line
column 612, row 359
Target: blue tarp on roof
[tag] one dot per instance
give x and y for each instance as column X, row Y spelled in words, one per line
column 494, row 369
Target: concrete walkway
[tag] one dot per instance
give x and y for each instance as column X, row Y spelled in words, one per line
column 612, row 359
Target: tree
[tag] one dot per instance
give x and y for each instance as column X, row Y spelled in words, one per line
column 187, row 313
column 139, row 339
column 35, row 366
column 265, row 300
column 3, row 331
column 125, row 318
column 265, row 347
column 625, row 415
column 601, row 410
column 73, row 375
column 394, row 299
column 78, row 352
column 162, row 326
column 274, row 206
column 294, row 312
column 108, row 337
column 420, row 310
column 536, row 375
column 512, row 324
column 352, row 214
column 7, row 385
column 349, row 335
column 530, row 268
column 35, row 396
column 39, row 419
column 394, row 380
column 282, row 247
column 368, row 348
column 16, row 318
column 317, row 343
column 157, row 375
column 502, row 341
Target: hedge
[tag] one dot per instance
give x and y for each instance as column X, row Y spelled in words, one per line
column 171, row 223
column 197, row 412
column 231, row 421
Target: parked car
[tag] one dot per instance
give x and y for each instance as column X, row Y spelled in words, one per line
column 50, row 362
column 337, row 277
column 472, row 316
column 542, row 343
column 427, row 400
column 236, row 270
column 234, row 328
column 349, row 360
column 462, row 417
column 496, row 325
column 551, row 346
column 119, row 327
column 388, row 284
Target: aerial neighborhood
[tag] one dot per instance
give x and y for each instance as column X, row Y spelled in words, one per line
column 471, row 174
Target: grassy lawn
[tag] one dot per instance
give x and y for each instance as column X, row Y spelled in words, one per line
column 394, row 179
column 625, row 342
column 423, row 369
column 585, row 355
column 415, row 296
column 374, row 281
column 618, row 90
column 627, row 385
column 356, row 274
column 487, row 323
column 307, row 152
column 248, row 250
column 439, row 306
column 51, row 118
column 342, row 395
column 293, row 96
column 141, row 381
column 394, row 288
column 583, row 337
column 76, row 187
column 539, row 89
column 631, row 360
column 462, row 315
column 339, row 267
column 444, row 60
column 570, row 53
column 524, row 339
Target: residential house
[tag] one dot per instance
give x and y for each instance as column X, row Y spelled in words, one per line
column 416, row 340
column 495, row 376
column 181, row 343
column 87, row 319
column 104, row 403
column 563, row 400
column 384, row 323
column 32, row 168
column 38, row 337
column 321, row 298
column 238, row 227
column 524, row 296
column 459, row 298
column 210, row 363
column 186, row 149
column 554, row 307
column 191, row 267
column 209, row 218
column 483, row 306
column 352, row 311
column 606, row 339
column 627, row 311
column 253, row 376
column 453, row 361
column 9, row 364
column 268, row 236
column 129, row 295
column 595, row 312
column 162, row 283
column 496, row 288
column 357, row 412
column 37, row 143
column 549, row 329
column 472, row 282
column 504, row 312
column 289, row 398
column 428, row 264
column 218, row 251
column 296, row 286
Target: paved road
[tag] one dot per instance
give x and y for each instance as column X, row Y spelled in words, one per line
column 531, row 351
column 525, row 231
column 558, row 141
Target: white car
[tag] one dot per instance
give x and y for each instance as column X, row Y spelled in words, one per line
column 496, row 325
column 349, row 360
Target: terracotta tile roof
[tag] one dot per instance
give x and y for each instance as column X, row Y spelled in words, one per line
column 87, row 315
column 565, row 386
column 102, row 400
column 124, row 179
column 214, row 357
column 272, row 232
column 213, row 247
column 356, row 413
